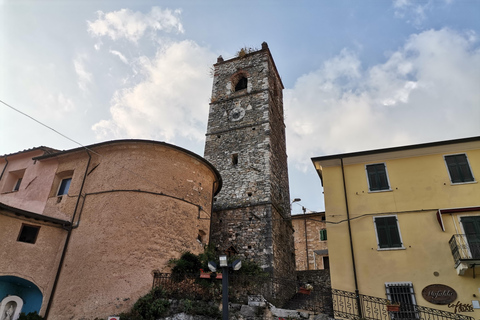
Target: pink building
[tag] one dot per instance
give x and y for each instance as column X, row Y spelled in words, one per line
column 82, row 230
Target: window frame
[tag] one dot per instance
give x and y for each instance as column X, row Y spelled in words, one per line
column 457, row 166
column 17, row 184
column 389, row 188
column 60, row 186
column 379, row 248
column 28, row 226
column 471, row 253
column 324, row 233
column 406, row 310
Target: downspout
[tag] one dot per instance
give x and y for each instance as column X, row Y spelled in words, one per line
column 357, row 295
column 306, row 238
column 211, row 210
column 67, row 240
column 5, row 167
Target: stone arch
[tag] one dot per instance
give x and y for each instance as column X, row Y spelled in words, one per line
column 240, row 81
column 26, row 291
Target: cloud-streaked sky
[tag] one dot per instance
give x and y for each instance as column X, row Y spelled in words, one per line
column 358, row 75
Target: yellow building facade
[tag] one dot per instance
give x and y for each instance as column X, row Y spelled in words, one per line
column 404, row 223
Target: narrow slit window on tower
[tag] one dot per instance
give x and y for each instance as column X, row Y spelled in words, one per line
column 235, row 159
column 241, row 84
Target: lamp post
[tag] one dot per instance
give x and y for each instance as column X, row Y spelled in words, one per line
column 223, row 263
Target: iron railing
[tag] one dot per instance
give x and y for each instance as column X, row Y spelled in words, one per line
column 465, row 247
column 241, row 287
column 348, row 305
column 335, row 303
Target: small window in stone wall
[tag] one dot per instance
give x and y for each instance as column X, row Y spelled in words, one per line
column 201, row 236
column 241, row 84
column 235, row 159
column 28, row 233
column 323, row 234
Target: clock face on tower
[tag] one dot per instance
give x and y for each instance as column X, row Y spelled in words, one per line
column 237, row 114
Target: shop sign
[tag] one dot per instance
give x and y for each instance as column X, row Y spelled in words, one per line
column 439, row 294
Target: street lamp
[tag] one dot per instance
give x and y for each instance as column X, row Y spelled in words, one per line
column 223, row 263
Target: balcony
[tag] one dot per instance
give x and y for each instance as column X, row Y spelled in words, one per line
column 466, row 251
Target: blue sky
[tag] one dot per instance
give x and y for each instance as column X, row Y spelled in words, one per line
column 358, row 75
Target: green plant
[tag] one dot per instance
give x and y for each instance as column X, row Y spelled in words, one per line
column 151, row 306
column 30, row 316
column 187, row 264
column 245, row 50
column 203, row 308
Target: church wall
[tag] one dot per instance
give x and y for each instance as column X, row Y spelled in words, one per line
column 34, row 262
column 140, row 209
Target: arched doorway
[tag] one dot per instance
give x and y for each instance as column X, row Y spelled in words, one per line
column 27, row 292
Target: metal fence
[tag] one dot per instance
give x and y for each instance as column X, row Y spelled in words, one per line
column 335, row 303
column 317, row 300
column 465, row 247
column 348, row 305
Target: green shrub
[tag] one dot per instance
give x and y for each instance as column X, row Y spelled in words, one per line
column 187, row 264
column 149, row 307
column 199, row 308
column 30, row 316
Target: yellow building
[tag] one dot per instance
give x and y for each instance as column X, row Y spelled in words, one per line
column 404, row 223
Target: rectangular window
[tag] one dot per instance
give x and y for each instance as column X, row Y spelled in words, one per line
column 471, row 228
column 326, row 262
column 323, row 234
column 235, row 159
column 64, row 186
column 28, row 233
column 402, row 292
column 459, row 168
column 13, row 181
column 388, row 232
column 17, row 184
column 377, row 177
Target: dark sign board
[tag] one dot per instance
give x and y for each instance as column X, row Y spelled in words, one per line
column 439, row 294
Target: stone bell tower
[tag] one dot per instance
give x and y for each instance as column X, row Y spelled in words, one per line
column 245, row 141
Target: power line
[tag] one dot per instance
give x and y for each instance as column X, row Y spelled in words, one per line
column 86, row 148
column 41, row 123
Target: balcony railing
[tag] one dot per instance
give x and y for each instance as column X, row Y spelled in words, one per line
column 465, row 248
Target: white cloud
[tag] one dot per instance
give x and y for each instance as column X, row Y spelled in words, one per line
column 119, row 55
column 170, row 101
column 84, row 77
column 423, row 90
column 414, row 12
column 132, row 26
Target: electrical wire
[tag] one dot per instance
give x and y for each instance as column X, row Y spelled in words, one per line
column 90, row 150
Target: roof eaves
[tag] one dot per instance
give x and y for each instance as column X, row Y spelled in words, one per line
column 35, row 216
column 395, row 149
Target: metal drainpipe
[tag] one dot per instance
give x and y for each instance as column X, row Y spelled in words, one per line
column 357, row 295
column 5, row 167
column 211, row 210
column 67, row 240
column 306, row 238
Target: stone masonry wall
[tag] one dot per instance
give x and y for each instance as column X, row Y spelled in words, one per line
column 307, row 241
column 245, row 141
